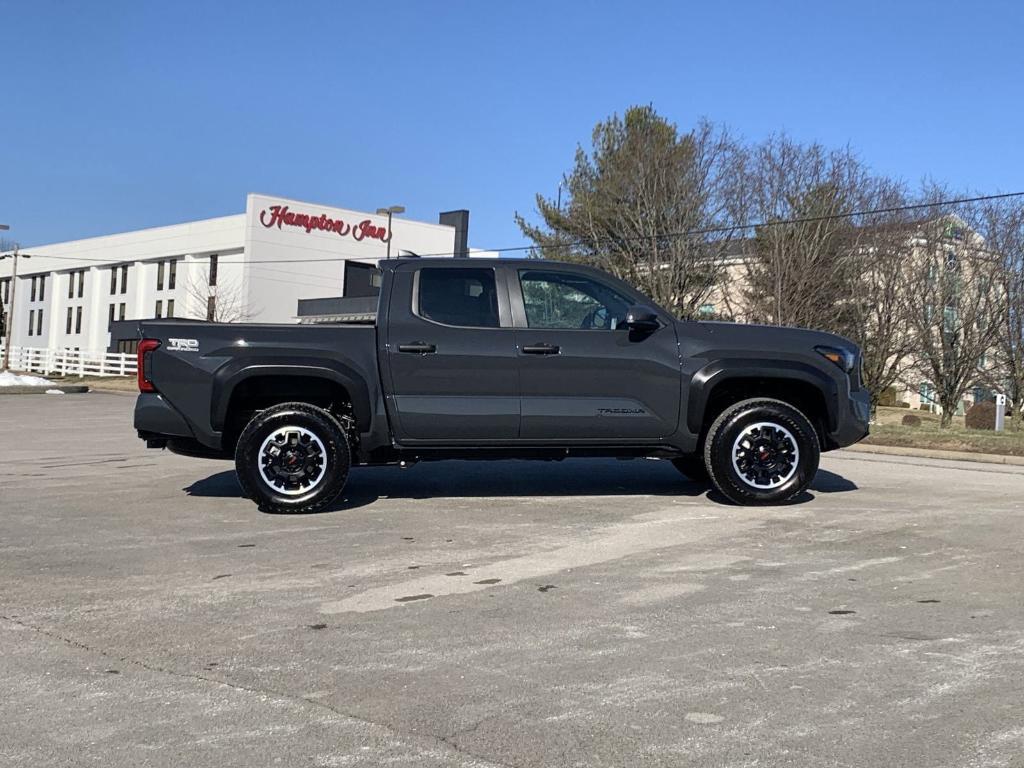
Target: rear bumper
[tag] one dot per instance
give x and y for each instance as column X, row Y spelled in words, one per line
column 156, row 418
column 852, row 420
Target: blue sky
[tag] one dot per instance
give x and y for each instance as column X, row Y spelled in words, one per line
column 121, row 115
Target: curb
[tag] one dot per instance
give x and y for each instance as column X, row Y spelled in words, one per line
column 101, row 391
column 934, row 453
column 67, row 389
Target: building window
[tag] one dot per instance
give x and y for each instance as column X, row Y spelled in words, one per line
column 42, row 287
column 706, row 310
column 213, row 270
column 78, row 320
column 39, row 323
column 71, row 285
column 949, row 319
column 113, row 280
column 81, row 283
column 172, row 274
column 170, row 305
column 120, row 312
column 71, row 312
column 31, row 315
column 110, row 318
column 6, row 284
column 124, row 279
column 33, row 290
column 159, row 309
column 211, row 308
column 160, row 276
column 927, row 393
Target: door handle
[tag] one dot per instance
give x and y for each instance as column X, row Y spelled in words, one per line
column 541, row 349
column 418, row 347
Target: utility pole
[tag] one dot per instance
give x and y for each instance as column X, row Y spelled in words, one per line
column 10, row 309
column 389, row 212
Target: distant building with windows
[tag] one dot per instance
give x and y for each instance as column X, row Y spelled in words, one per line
column 253, row 266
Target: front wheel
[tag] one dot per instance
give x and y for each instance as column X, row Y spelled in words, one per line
column 292, row 458
column 761, row 451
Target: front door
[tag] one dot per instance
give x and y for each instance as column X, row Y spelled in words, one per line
column 450, row 355
column 582, row 375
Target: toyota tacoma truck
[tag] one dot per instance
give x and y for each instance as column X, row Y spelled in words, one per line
column 528, row 359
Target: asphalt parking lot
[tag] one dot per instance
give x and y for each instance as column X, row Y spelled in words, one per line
column 583, row 613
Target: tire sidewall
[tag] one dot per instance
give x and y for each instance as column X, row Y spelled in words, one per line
column 317, row 421
column 738, row 420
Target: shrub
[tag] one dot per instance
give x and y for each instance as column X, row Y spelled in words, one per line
column 981, row 415
column 887, row 397
column 911, row 420
column 902, row 405
column 925, row 407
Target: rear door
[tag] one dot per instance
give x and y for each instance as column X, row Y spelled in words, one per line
column 450, row 354
column 584, row 376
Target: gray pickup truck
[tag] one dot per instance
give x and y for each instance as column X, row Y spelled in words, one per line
column 499, row 359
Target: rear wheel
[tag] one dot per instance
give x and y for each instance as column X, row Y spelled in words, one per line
column 761, row 451
column 292, row 458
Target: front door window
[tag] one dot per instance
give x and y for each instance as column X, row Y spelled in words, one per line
column 561, row 300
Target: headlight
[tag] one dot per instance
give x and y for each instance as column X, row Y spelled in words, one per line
column 844, row 358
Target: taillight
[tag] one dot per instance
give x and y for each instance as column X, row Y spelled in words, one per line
column 146, row 348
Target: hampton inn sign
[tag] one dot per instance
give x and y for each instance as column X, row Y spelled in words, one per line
column 281, row 215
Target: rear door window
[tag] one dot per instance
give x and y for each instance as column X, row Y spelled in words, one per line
column 455, row 296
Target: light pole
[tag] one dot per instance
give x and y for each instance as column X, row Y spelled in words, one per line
column 10, row 307
column 389, row 212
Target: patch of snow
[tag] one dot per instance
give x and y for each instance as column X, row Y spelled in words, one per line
column 54, row 392
column 10, row 379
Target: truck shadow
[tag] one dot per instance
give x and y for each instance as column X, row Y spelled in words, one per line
column 481, row 479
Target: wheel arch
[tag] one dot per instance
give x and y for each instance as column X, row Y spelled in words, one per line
column 257, row 386
column 723, row 383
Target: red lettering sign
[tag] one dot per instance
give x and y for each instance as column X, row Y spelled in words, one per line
column 279, row 215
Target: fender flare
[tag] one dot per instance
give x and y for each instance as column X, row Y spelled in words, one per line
column 706, row 378
column 226, row 379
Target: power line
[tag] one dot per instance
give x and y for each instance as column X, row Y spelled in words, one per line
column 726, row 228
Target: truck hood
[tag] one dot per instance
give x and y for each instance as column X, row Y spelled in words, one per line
column 762, row 339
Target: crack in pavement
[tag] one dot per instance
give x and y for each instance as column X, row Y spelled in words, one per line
column 448, row 741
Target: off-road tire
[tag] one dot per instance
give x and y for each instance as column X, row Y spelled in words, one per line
column 693, row 467
column 329, row 454
column 786, row 428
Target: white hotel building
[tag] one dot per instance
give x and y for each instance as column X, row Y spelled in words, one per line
column 253, row 266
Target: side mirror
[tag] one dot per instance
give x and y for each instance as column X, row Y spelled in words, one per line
column 640, row 318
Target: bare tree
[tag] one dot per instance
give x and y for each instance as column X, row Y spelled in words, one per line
column 806, row 272
column 221, row 301
column 879, row 310
column 1001, row 223
column 631, row 200
column 956, row 300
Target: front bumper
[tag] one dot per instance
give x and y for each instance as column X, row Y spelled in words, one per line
column 852, row 420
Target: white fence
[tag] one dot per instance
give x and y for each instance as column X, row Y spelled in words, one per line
column 69, row 362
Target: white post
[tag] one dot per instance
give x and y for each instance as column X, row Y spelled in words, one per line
column 1000, row 412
